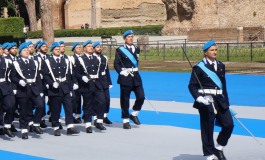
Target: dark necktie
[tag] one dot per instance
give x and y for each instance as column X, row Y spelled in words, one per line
column 58, row 60
column 27, row 62
column 44, row 57
column 212, row 65
column 130, row 48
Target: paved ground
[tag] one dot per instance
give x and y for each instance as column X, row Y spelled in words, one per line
column 144, row 142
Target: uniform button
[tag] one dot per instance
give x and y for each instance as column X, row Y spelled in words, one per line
column 59, row 67
column 93, row 70
column 28, row 69
column 29, row 74
column 59, row 72
column 92, row 65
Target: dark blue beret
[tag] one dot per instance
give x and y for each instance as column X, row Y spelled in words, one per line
column 208, row 44
column 22, row 46
column 75, row 44
column 87, row 42
column 10, row 45
column 36, row 44
column 54, row 44
column 61, row 42
column 126, row 33
column 95, row 44
column 41, row 44
column 5, row 45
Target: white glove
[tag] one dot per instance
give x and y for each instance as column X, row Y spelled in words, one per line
column 55, row 84
column 110, row 86
column 203, row 100
column 22, row 83
column 75, row 86
column 124, row 73
column 41, row 94
column 85, row 79
column 15, row 92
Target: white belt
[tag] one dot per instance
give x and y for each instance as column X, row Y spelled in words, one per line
column 93, row 76
column 30, row 80
column 211, row 91
column 131, row 69
column 2, row 79
column 61, row 79
column 103, row 73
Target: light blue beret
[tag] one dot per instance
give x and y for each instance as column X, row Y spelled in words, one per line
column 5, row 45
column 87, row 42
column 61, row 42
column 10, row 45
column 22, row 46
column 54, row 44
column 95, row 44
column 37, row 43
column 208, row 44
column 75, row 44
column 126, row 33
column 29, row 43
column 41, row 44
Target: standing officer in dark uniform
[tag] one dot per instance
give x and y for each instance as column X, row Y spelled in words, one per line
column 25, row 75
column 211, row 101
column 5, row 50
column 57, row 75
column 126, row 65
column 1, row 50
column 7, row 98
column 104, row 77
column 77, row 49
column 87, row 74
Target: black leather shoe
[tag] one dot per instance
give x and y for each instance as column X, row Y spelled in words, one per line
column 57, row 132
column 25, row 135
column 77, row 120
column 135, row 119
column 13, row 129
column 89, row 130
column 2, row 131
column 37, row 129
column 107, row 121
column 219, row 154
column 72, row 131
column 100, row 126
column 8, row 132
column 126, row 125
column 43, row 124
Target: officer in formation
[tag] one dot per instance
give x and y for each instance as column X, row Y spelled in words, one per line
column 57, row 75
column 208, row 87
column 77, row 50
column 6, row 52
column 105, row 79
column 87, row 73
column 126, row 65
column 25, row 75
column 7, row 98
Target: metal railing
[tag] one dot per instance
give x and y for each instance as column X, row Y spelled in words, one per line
column 234, row 52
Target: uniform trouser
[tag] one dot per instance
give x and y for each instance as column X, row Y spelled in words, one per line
column 93, row 104
column 56, row 107
column 125, row 99
column 7, row 104
column 25, row 105
column 207, row 118
column 107, row 98
column 77, row 102
column 30, row 112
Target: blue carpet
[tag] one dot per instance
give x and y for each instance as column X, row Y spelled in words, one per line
column 243, row 90
column 5, row 155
